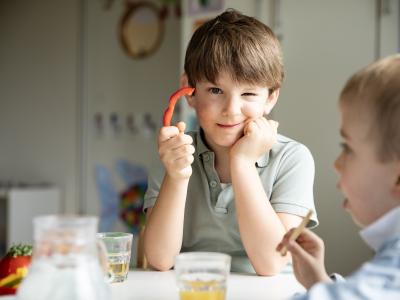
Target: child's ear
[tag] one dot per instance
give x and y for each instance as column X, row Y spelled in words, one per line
column 271, row 101
column 184, row 81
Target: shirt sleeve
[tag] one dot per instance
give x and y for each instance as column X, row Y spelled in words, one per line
column 292, row 190
column 351, row 290
column 155, row 179
column 376, row 279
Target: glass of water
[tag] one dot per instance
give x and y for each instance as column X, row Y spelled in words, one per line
column 202, row 275
column 118, row 246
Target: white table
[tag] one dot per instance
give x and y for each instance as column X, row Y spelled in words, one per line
column 151, row 285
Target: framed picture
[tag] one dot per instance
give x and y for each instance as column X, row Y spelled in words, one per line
column 141, row 29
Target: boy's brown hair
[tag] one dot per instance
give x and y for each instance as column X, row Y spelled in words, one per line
column 237, row 44
column 377, row 87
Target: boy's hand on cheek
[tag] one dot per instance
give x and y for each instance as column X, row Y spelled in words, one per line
column 259, row 137
column 176, row 151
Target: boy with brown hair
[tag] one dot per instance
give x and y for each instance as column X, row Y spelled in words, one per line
column 235, row 186
column 369, row 177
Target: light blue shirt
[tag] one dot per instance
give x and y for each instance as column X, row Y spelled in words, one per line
column 379, row 278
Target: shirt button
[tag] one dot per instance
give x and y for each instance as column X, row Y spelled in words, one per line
column 206, row 157
column 213, row 184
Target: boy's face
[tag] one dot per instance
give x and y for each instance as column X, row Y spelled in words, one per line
column 224, row 107
column 366, row 182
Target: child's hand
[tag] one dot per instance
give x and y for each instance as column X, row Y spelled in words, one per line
column 308, row 257
column 176, row 150
column 259, row 137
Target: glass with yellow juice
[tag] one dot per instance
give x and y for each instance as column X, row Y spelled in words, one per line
column 202, row 275
column 118, row 246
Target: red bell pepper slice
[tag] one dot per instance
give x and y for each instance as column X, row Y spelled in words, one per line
column 172, row 101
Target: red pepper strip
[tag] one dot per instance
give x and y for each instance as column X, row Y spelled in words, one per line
column 172, row 101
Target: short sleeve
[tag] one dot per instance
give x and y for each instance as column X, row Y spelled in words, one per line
column 155, row 179
column 292, row 191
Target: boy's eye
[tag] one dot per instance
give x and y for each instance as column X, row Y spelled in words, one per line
column 249, row 94
column 215, row 90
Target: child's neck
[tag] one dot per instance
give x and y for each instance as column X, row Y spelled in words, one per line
column 222, row 165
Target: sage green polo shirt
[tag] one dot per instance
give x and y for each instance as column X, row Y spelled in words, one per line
column 286, row 172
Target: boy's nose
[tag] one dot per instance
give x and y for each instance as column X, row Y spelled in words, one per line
column 232, row 106
column 337, row 164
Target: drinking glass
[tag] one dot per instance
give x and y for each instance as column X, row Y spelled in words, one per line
column 202, row 275
column 118, row 246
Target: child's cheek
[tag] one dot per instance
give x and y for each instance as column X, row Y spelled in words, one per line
column 253, row 110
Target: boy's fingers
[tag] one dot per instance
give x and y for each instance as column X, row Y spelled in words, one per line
column 252, row 126
column 285, row 240
column 308, row 235
column 181, row 126
column 296, row 250
column 274, row 124
column 167, row 132
column 286, row 237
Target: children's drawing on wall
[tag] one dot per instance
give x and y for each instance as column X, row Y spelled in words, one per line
column 121, row 207
column 108, row 197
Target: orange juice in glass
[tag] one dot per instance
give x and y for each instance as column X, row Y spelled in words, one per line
column 202, row 275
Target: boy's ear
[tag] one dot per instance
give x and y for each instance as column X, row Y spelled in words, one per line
column 184, row 81
column 271, row 101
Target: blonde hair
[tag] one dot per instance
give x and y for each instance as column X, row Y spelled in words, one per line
column 242, row 46
column 377, row 87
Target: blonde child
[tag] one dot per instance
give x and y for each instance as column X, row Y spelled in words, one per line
column 369, row 177
column 234, row 186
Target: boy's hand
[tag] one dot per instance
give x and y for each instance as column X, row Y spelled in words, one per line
column 176, row 150
column 308, row 257
column 259, row 137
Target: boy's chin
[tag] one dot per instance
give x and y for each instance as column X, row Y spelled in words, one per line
column 227, row 142
column 356, row 221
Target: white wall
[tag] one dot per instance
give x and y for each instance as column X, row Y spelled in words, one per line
column 38, row 94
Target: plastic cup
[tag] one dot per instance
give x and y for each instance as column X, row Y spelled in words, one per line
column 202, row 275
column 118, row 246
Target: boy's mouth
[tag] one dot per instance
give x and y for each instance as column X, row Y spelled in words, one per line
column 228, row 125
column 345, row 203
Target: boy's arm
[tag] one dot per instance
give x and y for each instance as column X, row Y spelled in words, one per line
column 261, row 228
column 164, row 222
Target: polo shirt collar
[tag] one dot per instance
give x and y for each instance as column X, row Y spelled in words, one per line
column 200, row 144
column 262, row 162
